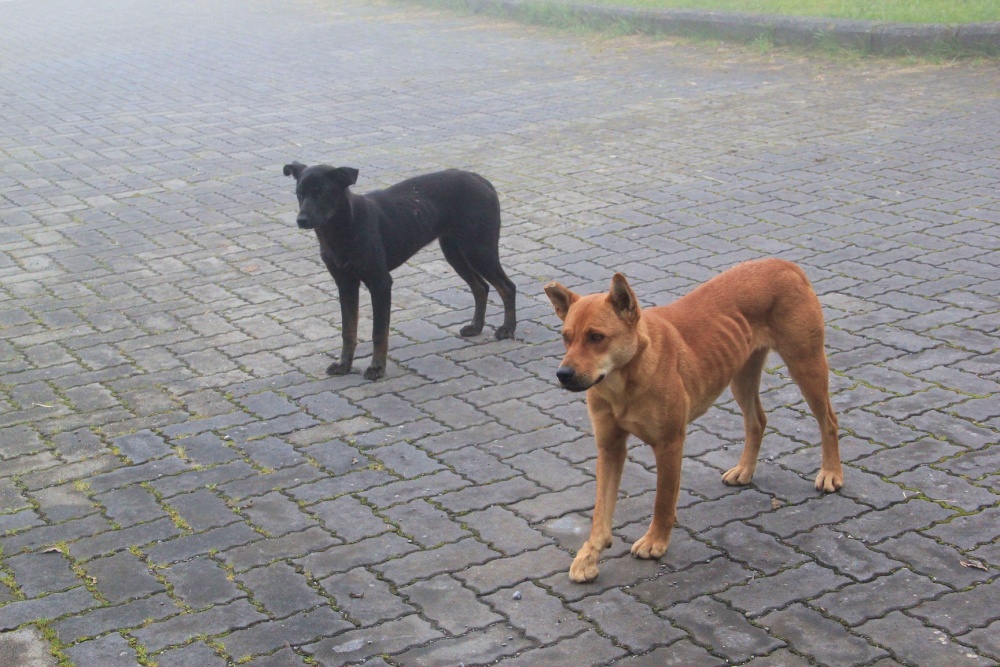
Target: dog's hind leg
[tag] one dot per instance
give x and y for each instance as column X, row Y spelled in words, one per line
column 811, row 373
column 485, row 261
column 480, row 288
column 746, row 390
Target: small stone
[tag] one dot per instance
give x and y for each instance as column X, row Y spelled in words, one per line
column 517, row 595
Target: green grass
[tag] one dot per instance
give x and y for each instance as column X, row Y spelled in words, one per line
column 897, row 11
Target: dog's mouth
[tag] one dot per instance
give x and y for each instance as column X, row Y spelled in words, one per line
column 578, row 383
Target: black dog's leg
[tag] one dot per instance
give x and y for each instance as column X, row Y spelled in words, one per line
column 480, row 288
column 349, row 289
column 381, row 291
column 486, row 262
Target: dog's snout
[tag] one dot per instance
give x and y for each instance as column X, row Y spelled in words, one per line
column 303, row 221
column 565, row 374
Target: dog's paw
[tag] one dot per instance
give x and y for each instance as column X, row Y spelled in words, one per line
column 503, row 332
column 338, row 368
column 470, row 330
column 737, row 476
column 648, row 547
column 374, row 372
column 584, row 567
column 828, row 481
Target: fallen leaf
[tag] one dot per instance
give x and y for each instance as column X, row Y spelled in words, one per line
column 50, row 550
column 972, row 563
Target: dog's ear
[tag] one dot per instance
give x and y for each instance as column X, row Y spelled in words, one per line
column 623, row 300
column 561, row 298
column 294, row 169
column 344, row 176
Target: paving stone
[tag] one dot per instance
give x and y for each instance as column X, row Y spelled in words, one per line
column 586, row 649
column 192, row 655
column 294, row 631
column 276, row 514
column 365, row 598
column 371, row 551
column 201, row 583
column 26, row 646
column 726, row 631
column 388, row 638
column 280, row 589
column 791, row 519
column 425, row 524
column 847, row 555
column 116, row 540
column 349, row 519
column 122, row 577
column 73, row 601
column 409, row 489
column 212, row 621
column 105, row 619
column 293, row 545
column 823, row 640
column 130, row 506
column 967, row 531
column 199, row 544
column 873, row 599
column 758, row 596
column 914, row 514
column 111, row 650
column 751, row 547
column 447, row 558
column 679, row 654
column 482, row 646
column 505, row 531
column 202, row 510
column 37, row 574
column 500, row 572
column 940, row 562
column 451, row 606
column 913, row 642
column 714, row 576
column 959, row 612
column 629, row 622
column 985, row 640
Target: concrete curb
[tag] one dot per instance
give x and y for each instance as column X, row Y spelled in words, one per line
column 867, row 36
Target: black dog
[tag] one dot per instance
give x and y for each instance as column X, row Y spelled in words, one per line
column 364, row 237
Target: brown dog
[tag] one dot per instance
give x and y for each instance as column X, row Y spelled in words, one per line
column 650, row 372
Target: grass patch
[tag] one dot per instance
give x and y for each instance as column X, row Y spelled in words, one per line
column 894, row 11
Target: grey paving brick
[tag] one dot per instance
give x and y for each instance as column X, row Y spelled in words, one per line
column 388, row 638
column 758, row 596
column 292, row 545
column 120, row 617
column 940, row 562
column 197, row 654
column 53, row 606
column 859, row 602
column 728, row 632
column 847, row 555
column 122, row 577
column 479, row 645
column 453, row 557
column 201, row 583
column 112, row 650
column 280, row 589
column 961, row 611
column 294, row 630
column 451, row 606
column 913, row 642
column 276, row 514
column 629, row 622
column 364, row 597
column 425, row 524
column 349, row 519
column 501, row 572
column 37, row 574
column 212, row 621
column 130, row 505
column 819, row 638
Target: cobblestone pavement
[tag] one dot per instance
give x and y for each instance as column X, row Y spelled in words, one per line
column 181, row 484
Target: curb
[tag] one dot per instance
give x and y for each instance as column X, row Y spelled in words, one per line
column 866, row 36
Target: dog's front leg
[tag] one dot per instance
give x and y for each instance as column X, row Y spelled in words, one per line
column 668, row 486
column 611, row 452
column 349, row 289
column 381, row 291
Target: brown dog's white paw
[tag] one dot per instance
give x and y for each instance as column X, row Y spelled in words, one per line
column 828, row 481
column 737, row 476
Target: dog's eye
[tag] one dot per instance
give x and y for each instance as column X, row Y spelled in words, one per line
column 595, row 337
column 566, row 338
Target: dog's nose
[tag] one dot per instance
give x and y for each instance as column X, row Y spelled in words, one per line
column 565, row 374
column 303, row 221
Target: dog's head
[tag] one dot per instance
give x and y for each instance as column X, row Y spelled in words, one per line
column 322, row 192
column 600, row 332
